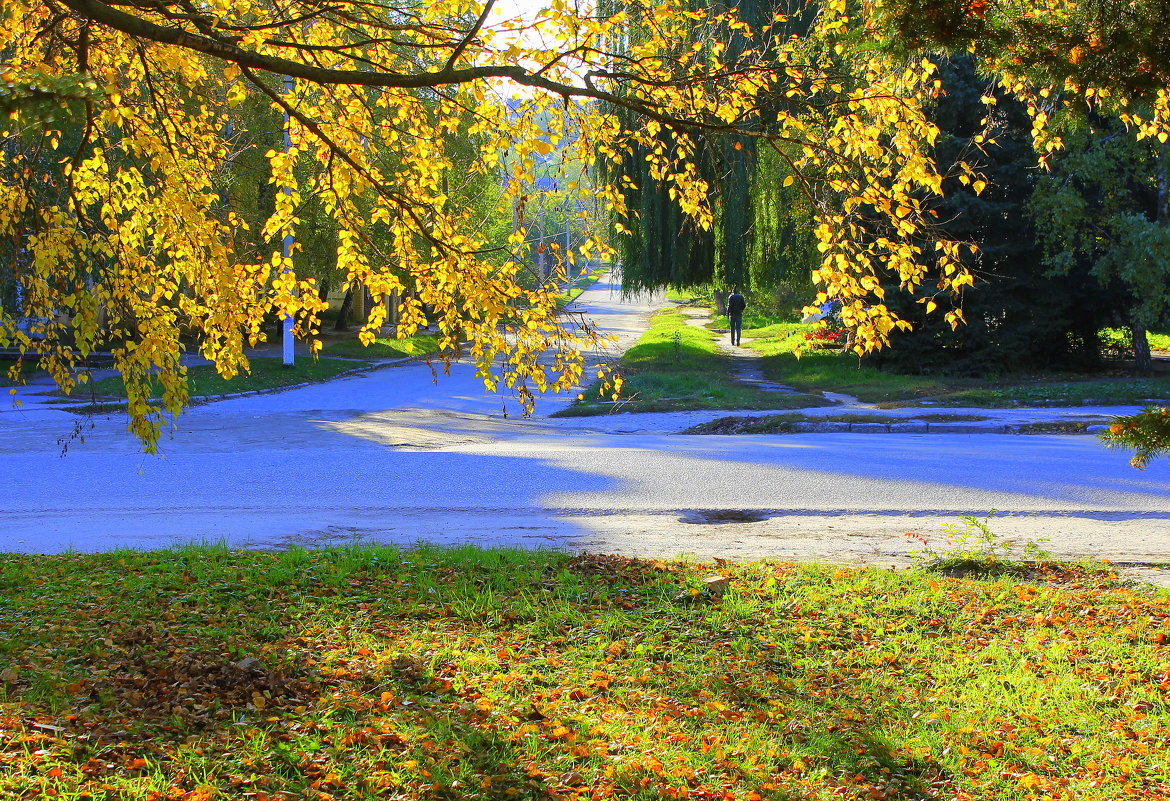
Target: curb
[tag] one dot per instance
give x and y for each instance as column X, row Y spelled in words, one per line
column 919, row 427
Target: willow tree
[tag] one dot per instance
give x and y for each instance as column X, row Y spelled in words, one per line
column 661, row 246
column 372, row 92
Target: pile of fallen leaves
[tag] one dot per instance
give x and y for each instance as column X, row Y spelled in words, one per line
column 377, row 673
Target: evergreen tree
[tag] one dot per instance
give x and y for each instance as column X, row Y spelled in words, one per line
column 1101, row 213
column 1019, row 315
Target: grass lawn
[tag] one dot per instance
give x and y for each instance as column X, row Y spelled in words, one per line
column 423, row 674
column 384, row 348
column 266, row 373
column 27, row 371
column 675, row 366
column 835, row 371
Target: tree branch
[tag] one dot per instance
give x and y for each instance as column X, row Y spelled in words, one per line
column 104, row 14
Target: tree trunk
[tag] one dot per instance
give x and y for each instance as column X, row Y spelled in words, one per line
column 1163, row 185
column 343, row 315
column 720, row 298
column 1143, row 362
column 359, row 306
column 392, row 314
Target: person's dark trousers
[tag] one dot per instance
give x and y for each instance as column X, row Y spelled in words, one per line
column 736, row 328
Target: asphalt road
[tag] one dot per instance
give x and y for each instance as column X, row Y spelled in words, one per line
column 392, row 456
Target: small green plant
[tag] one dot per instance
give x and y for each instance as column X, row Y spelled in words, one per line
column 972, row 547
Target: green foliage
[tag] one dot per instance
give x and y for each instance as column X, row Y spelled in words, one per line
column 1017, row 316
column 663, row 246
column 51, row 100
column 700, row 295
column 782, row 252
column 1123, row 49
column 374, row 672
column 1146, row 433
column 1097, row 213
column 762, row 232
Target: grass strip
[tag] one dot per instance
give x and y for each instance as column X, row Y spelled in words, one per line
column 265, row 373
column 1086, row 392
column 384, row 348
column 675, row 366
column 843, row 372
column 364, row 673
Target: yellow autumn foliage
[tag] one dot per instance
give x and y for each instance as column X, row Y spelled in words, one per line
column 139, row 243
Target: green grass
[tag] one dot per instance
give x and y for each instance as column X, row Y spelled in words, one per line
column 28, row 370
column 1041, row 392
column 1123, row 337
column 384, row 348
column 835, row 371
column 756, row 324
column 841, row 372
column 370, row 673
column 266, row 373
column 675, row 366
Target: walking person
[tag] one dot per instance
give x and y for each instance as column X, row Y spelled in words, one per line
column 735, row 306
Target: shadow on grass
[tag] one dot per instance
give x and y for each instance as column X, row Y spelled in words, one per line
column 463, row 673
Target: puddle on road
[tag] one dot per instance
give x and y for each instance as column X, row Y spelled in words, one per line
column 709, row 517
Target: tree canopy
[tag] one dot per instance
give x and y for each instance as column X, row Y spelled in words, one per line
column 124, row 122
column 1107, row 65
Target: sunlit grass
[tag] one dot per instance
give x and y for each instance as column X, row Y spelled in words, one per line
column 676, row 366
column 378, row 672
column 384, row 347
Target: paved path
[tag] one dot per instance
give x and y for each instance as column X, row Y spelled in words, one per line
column 392, row 456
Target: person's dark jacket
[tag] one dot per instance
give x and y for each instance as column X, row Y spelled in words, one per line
column 735, row 304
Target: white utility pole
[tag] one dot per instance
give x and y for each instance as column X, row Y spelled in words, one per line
column 286, row 321
column 568, row 231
